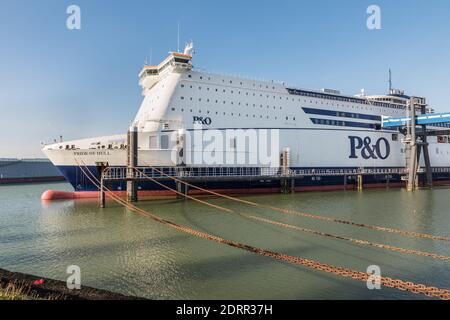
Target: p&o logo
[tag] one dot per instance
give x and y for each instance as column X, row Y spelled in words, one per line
column 200, row 120
column 380, row 150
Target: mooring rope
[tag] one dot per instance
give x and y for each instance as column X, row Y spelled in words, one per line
column 406, row 233
column 292, row 227
column 344, row 272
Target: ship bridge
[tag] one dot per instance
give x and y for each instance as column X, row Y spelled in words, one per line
column 175, row 61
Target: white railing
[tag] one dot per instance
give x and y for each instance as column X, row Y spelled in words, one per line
column 121, row 173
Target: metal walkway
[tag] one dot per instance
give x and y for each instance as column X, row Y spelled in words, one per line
column 423, row 119
column 236, row 173
column 415, row 140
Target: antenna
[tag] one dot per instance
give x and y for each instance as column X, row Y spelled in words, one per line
column 390, row 80
column 151, row 55
column 178, row 37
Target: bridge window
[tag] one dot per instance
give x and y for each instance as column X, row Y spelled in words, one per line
column 164, row 143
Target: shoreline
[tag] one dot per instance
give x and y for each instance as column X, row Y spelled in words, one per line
column 30, row 180
column 52, row 289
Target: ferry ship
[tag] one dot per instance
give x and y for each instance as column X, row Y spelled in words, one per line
column 322, row 129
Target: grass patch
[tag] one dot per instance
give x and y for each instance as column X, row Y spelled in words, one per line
column 13, row 291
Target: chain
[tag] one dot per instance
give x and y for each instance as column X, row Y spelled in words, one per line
column 307, row 215
column 319, row 233
column 344, row 272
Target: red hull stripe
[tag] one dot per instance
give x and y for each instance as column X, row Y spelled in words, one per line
column 59, row 195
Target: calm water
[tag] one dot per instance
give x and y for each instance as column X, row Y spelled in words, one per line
column 121, row 251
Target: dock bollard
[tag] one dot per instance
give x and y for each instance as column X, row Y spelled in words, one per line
column 360, row 181
column 132, row 161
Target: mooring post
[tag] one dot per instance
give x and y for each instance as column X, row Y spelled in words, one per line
column 411, row 139
column 285, row 172
column 360, row 182
column 102, row 192
column 182, row 189
column 179, row 189
column 426, row 155
column 185, row 190
column 132, row 161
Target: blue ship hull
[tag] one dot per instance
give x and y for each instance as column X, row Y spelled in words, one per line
column 77, row 178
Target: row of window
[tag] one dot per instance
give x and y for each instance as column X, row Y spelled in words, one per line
column 261, row 95
column 240, row 83
column 352, row 124
column 342, row 98
column 333, row 113
column 443, row 125
column 224, row 102
column 231, row 114
column 231, row 91
column 328, row 96
column 306, row 110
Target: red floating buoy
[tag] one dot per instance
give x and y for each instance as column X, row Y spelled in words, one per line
column 56, row 195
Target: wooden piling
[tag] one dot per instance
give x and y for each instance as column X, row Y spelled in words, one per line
column 132, row 161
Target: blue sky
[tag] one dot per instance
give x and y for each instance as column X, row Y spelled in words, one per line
column 83, row 83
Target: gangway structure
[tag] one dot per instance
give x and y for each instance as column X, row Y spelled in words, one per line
column 416, row 140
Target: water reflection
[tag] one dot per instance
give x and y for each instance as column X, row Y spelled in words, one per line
column 121, row 251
